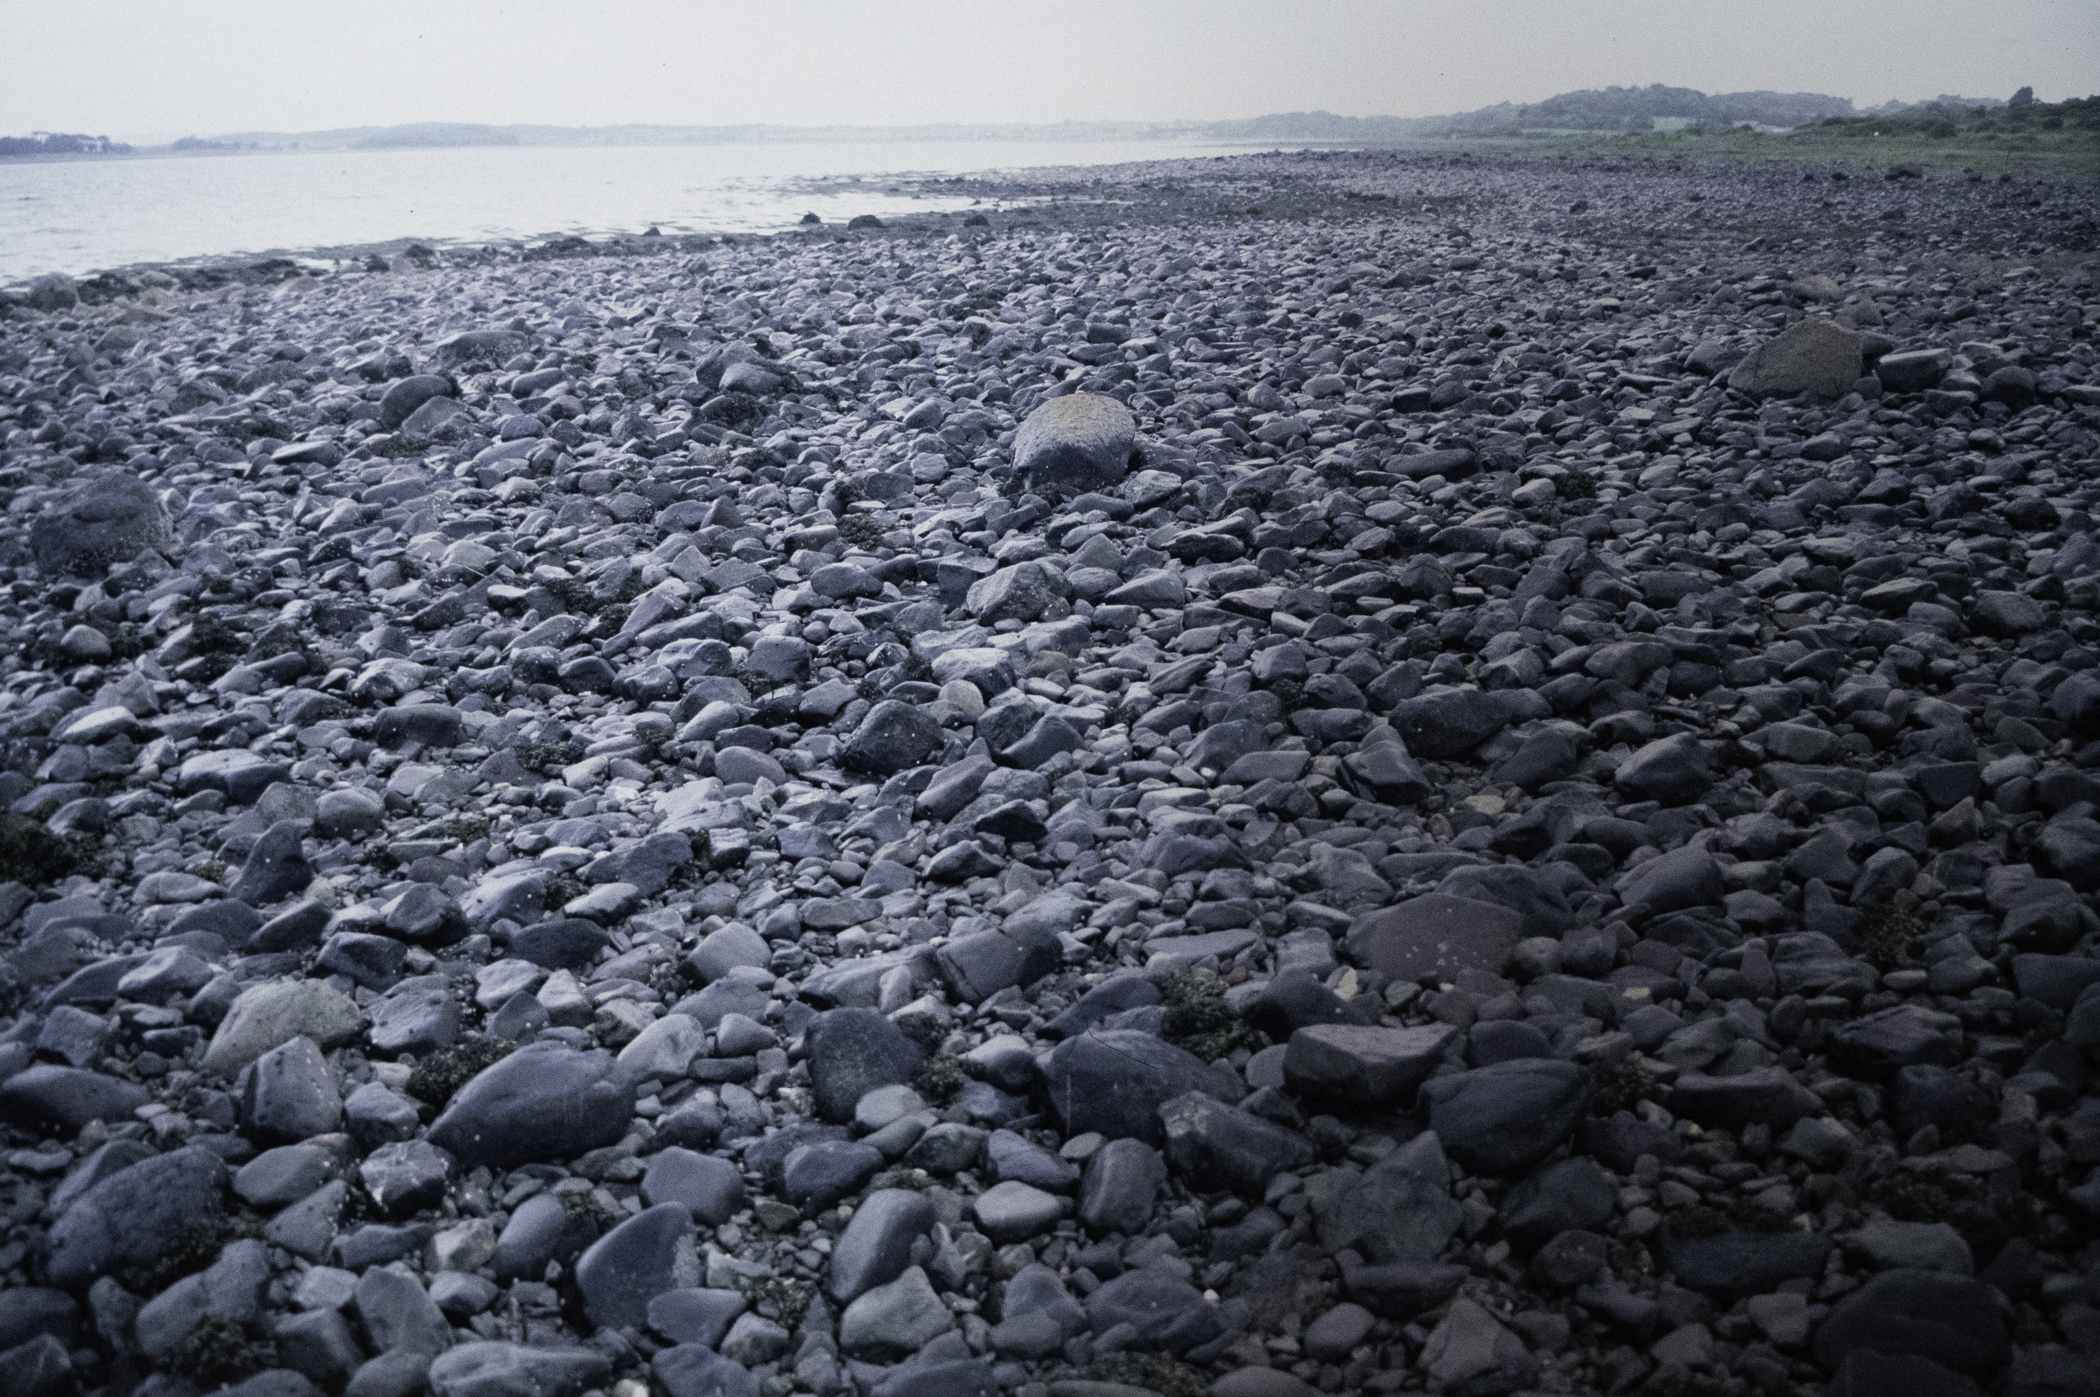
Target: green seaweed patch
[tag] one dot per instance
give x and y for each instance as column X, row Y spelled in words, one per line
column 1911, row 1197
column 581, row 1205
column 562, row 889
column 1887, row 934
column 923, row 1029
column 30, row 853
column 1617, row 1085
column 779, row 1298
column 214, row 647
column 1741, row 1215
column 196, row 1246
column 1198, row 1017
column 543, row 755
column 438, row 1075
column 917, row 1180
column 861, row 530
column 468, row 828
column 573, row 593
column 1291, row 694
column 1575, row 485
column 126, row 642
column 1149, row 1372
column 939, row 1078
column 219, row 1350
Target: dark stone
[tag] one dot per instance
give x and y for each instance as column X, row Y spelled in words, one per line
column 1435, row 936
column 1403, row 1289
column 1110, row 997
column 695, row 1316
column 1497, row 1119
column 544, row 1101
column 104, row 517
column 1076, row 443
column 1216, row 1146
column 130, row 1218
column 1743, row 1263
column 1952, row 1320
column 648, row 1254
column 1443, row 725
column 876, row 1245
column 892, row 737
column 1115, row 1080
column 688, row 1370
column 541, row 1230
column 67, row 1098
column 1573, row 1194
column 851, row 1052
column 1166, row 1313
column 817, row 1176
column 290, row 1095
column 1121, row 1183
column 708, row 1186
column 1764, row 1096
column 568, row 943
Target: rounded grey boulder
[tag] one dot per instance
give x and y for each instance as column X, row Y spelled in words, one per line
column 103, row 518
column 1075, row 443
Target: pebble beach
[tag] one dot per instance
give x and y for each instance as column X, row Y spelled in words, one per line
column 1352, row 773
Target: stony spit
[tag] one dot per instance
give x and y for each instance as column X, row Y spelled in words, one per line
column 1502, row 801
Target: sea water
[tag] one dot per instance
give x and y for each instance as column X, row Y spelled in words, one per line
column 87, row 215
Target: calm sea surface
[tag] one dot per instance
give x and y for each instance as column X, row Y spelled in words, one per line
column 89, row 215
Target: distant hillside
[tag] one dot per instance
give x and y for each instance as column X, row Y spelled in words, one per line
column 1609, row 109
column 1286, row 126
column 1947, row 117
column 1640, row 109
column 60, row 143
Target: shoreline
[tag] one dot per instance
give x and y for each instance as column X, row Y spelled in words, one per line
column 1708, row 156
column 1459, row 819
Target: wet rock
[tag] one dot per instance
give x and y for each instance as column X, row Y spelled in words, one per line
column 892, row 737
column 1401, row 1211
column 894, row 1320
column 1435, row 937
column 1216, row 1146
column 1470, row 1352
column 68, row 1097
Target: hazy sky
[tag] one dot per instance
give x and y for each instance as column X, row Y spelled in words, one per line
column 151, row 70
